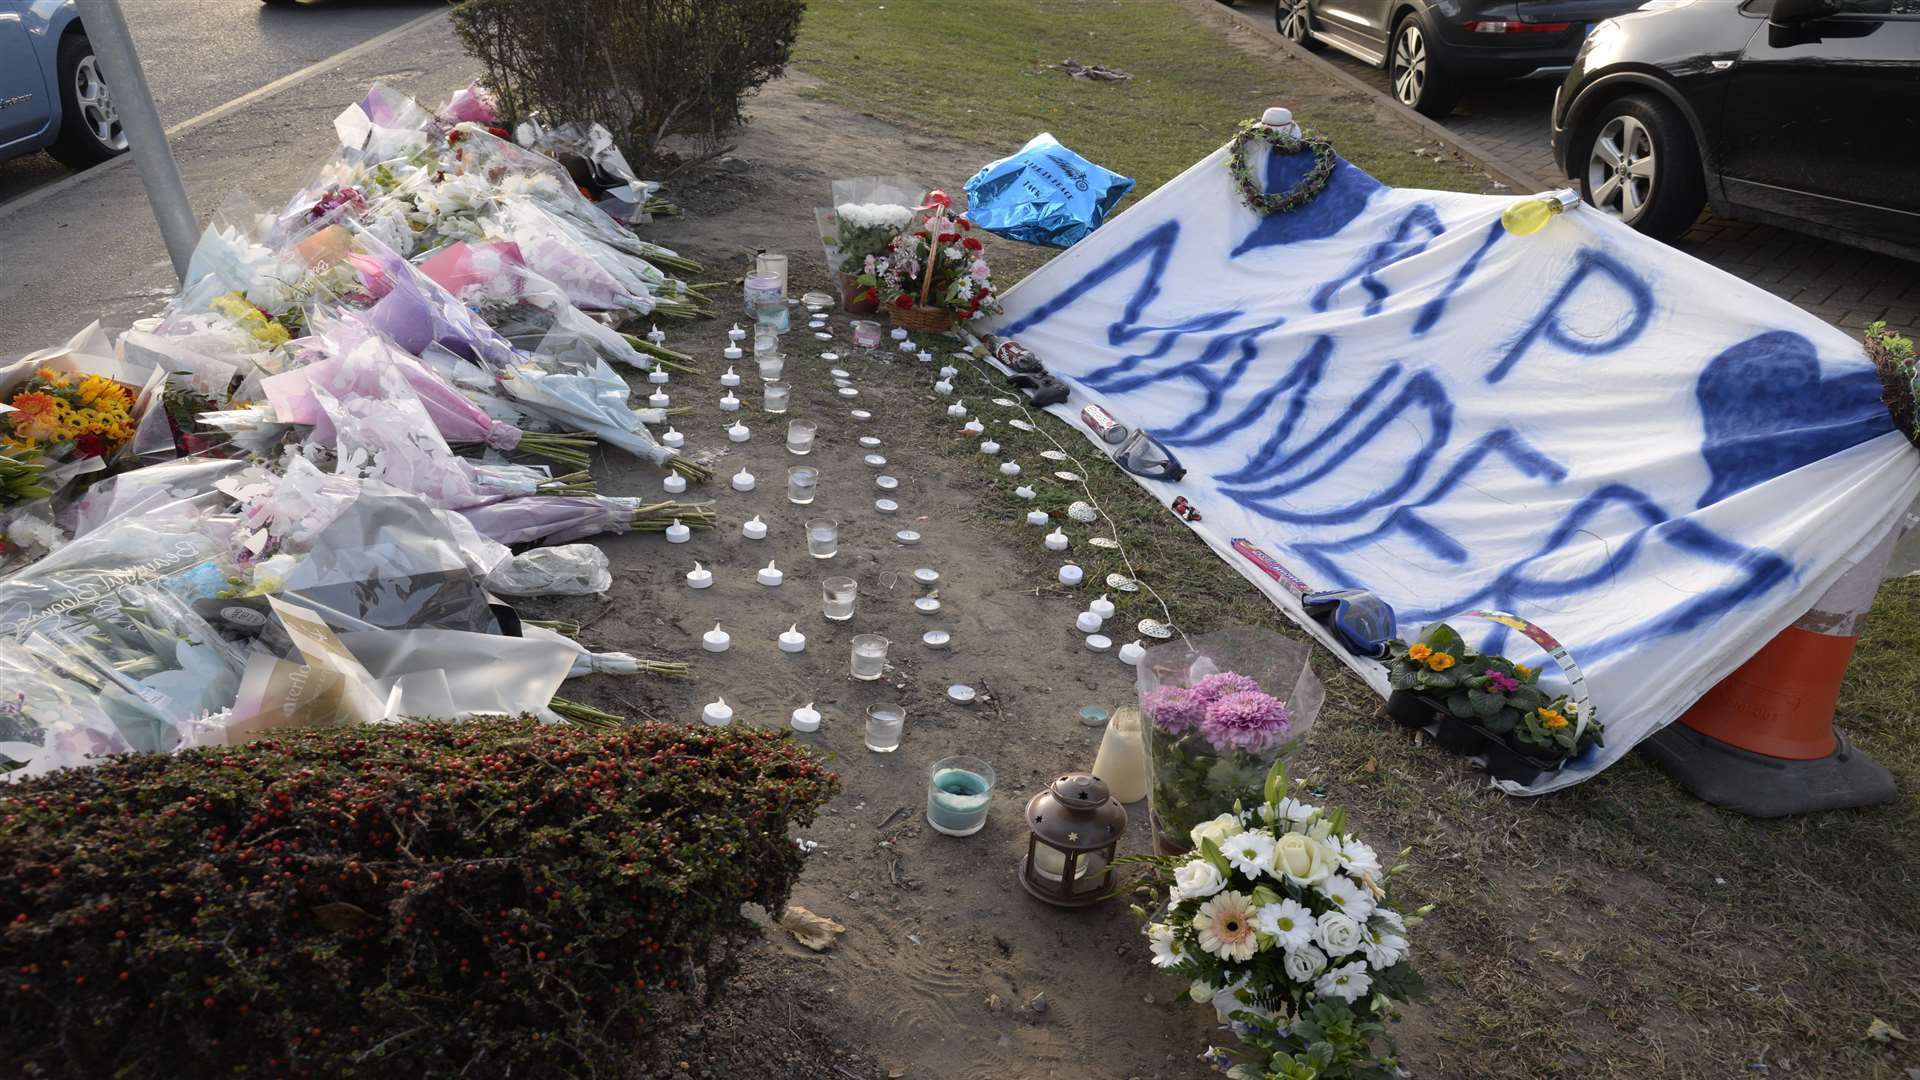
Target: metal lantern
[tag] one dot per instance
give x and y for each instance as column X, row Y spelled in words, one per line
column 1073, row 828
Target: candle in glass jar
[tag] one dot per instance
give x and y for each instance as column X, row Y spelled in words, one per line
column 1050, row 863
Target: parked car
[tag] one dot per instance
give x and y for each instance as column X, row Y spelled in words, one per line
column 52, row 97
column 1800, row 113
column 1432, row 49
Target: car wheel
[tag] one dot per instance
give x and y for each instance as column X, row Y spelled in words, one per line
column 90, row 130
column 1292, row 19
column 1416, row 71
column 1638, row 162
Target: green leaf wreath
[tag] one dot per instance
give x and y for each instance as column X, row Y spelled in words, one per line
column 1295, row 197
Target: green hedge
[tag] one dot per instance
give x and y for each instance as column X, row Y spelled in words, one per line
column 482, row 899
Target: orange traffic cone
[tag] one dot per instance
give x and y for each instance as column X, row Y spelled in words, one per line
column 1762, row 741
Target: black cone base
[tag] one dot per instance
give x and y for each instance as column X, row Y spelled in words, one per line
column 1762, row 786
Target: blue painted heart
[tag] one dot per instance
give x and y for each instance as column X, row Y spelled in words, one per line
column 1346, row 195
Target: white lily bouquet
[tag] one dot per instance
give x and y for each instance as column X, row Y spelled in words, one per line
column 1282, row 919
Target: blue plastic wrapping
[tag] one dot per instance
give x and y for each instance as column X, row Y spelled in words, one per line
column 1045, row 194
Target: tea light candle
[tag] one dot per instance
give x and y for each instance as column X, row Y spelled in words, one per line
column 678, row 533
column 673, row 439
column 885, row 482
column 1087, row 622
column 935, row 639
column 674, row 483
column 927, row 605
column 861, row 414
column 907, row 346
column 869, row 441
column 926, row 357
column 960, row 694
column 943, row 388
column 1056, row 540
column 659, row 377
column 899, row 333
column 842, row 382
column 771, row 576
column 988, row 446
column 743, row 480
column 753, row 528
column 729, row 403
column 823, row 335
column 817, row 321
column 717, row 713
column 957, row 410
column 716, row 639
column 736, row 334
column 1132, row 653
column 906, row 537
column 732, row 352
column 792, row 640
column 949, row 371
column 699, row 577
column 874, row 461
column 731, row 378
column 974, row 427
column 829, row 357
column 927, row 575
column 739, row 432
column 1099, row 643
column 1102, row 607
column 805, row 718
column 848, row 392
column 1037, row 517
column 839, row 373
column 886, row 506
column 1009, row 468
column 1070, row 574
column 1023, row 491
column 659, row 399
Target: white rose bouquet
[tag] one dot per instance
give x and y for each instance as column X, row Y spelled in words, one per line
column 1282, row 919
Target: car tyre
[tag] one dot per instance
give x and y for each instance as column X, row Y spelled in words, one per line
column 90, row 130
column 1417, row 74
column 1295, row 23
column 1636, row 160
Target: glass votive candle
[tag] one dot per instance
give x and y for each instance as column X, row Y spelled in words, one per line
column 823, row 538
column 837, row 595
column 800, row 436
column 774, row 397
column 802, row 482
column 869, row 659
column 884, row 724
column 771, row 365
column 958, row 791
column 866, row 333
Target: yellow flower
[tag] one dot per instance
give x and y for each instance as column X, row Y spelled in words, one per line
column 56, row 379
column 95, row 389
column 1523, row 672
column 272, row 334
column 1552, row 720
column 1418, row 652
column 1440, row 661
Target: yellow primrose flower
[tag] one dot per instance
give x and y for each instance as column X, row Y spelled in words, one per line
column 1418, row 652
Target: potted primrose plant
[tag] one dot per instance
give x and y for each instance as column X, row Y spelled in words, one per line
column 1542, row 740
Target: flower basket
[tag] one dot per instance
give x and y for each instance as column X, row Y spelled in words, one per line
column 1197, row 770
column 921, row 318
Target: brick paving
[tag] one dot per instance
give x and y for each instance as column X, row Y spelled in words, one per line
column 1508, row 127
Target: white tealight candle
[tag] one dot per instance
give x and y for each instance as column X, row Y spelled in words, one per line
column 907, row 346
column 1132, row 653
column 874, row 461
column 805, row 718
column 1099, row 643
column 736, row 334
column 743, row 480
column 1009, row 468
column 657, row 335
column 1024, row 491
column 1070, row 574
column 674, row 483
column 822, row 335
column 927, row 605
column 673, row 439
column 885, row 482
column 1056, row 540
column 716, row 639
column 659, row 377
column 732, row 352
column 770, row 575
column 739, row 432
column 678, row 533
column 792, row 640
column 927, row 575
column 839, row 373
column 926, row 357
column 861, row 414
column 974, row 427
column 1087, row 622
column 731, row 378
column 1037, row 517
column 943, row 388
column 935, row 639
column 949, row 371
column 885, row 506
column 957, row 410
column 988, row 446
column 1102, row 607
column 907, row 537
column 869, row 441
column 659, row 399
column 729, row 403
column 717, row 713
column 899, row 333
column 753, row 528
column 848, row 392
column 699, row 577
column 829, row 357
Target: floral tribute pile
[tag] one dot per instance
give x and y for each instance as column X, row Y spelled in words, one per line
column 960, row 281
column 1283, row 919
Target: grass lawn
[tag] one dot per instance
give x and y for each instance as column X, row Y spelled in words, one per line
column 1619, row 929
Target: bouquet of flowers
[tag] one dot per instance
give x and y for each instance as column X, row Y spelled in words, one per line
column 1284, row 919
column 865, row 230
column 1213, row 730
column 935, row 274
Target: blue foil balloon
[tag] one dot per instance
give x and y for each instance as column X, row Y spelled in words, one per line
column 1045, row 194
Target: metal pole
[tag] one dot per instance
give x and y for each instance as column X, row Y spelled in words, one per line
column 106, row 27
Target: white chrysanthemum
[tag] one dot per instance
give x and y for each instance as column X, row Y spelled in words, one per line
column 1347, row 897
column 1348, row 982
column 1167, row 950
column 1196, row 878
column 1303, row 963
column 1225, row 926
column 1289, row 922
column 1359, row 859
column 1384, row 947
column 1251, row 853
column 1337, row 933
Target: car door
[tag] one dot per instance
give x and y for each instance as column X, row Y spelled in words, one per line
column 1358, row 27
column 25, row 107
column 1822, row 119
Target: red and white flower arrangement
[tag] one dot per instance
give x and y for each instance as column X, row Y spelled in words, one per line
column 938, row 263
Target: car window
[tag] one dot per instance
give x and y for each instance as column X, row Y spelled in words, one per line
column 1909, row 8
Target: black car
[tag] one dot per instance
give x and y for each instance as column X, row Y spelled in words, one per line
column 1800, row 113
column 1433, row 48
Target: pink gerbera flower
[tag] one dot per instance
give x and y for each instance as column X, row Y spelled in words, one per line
column 1247, row 720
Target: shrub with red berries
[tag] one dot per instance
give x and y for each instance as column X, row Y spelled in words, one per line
column 480, row 899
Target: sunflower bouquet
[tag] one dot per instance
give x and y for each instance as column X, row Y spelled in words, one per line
column 1285, row 920
column 56, row 417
